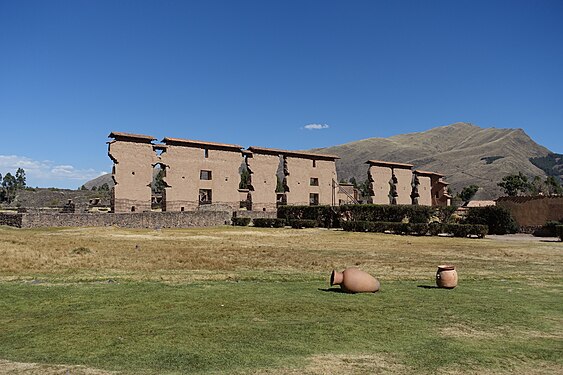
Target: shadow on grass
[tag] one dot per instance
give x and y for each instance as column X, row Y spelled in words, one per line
column 428, row 287
column 333, row 290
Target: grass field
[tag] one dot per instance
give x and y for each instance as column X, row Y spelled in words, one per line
column 257, row 301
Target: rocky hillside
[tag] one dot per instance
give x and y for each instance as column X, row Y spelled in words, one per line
column 465, row 153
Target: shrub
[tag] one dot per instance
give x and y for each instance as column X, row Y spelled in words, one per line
column 302, row 223
column 465, row 230
column 358, row 226
column 498, row 219
column 435, row 228
column 547, row 230
column 269, row 223
column 241, row 221
column 559, row 231
column 419, row 229
column 387, row 213
column 325, row 216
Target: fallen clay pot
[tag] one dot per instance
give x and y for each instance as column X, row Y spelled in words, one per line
column 354, row 280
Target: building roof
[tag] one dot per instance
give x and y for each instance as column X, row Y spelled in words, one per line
column 201, row 144
column 381, row 163
column 132, row 137
column 427, row 173
column 298, row 154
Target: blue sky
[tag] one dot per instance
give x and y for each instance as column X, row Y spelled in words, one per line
column 258, row 72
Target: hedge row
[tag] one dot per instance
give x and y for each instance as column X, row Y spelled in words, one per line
column 274, row 223
column 325, row 216
column 269, row 223
column 457, row 230
column 559, row 231
column 387, row 213
column 241, row 221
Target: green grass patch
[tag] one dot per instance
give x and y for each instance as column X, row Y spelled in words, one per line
column 241, row 327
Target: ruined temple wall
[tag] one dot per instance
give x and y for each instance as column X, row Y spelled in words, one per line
column 425, row 191
column 184, row 164
column 380, row 185
column 301, row 170
column 263, row 180
column 133, row 174
column 533, row 211
column 404, row 185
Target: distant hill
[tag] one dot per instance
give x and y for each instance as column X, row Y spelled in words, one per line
column 466, row 154
column 99, row 181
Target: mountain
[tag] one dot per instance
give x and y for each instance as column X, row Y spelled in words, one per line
column 99, row 181
column 466, row 154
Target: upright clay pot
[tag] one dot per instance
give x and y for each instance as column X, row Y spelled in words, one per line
column 353, row 280
column 446, row 276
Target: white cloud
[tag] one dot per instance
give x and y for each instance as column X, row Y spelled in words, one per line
column 316, row 126
column 45, row 170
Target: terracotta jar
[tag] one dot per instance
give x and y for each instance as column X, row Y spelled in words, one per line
column 353, row 280
column 446, row 276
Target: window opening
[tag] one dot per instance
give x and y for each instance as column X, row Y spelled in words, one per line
column 205, row 196
column 206, row 153
column 313, row 199
column 204, row 175
column 314, row 163
column 314, row 181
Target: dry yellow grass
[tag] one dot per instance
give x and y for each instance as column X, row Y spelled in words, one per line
column 220, row 253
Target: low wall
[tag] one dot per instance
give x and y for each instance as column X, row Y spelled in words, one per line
column 11, row 219
column 126, row 220
column 184, row 219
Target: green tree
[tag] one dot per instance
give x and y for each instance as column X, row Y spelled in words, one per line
column 83, row 187
column 279, row 185
column 9, row 184
column 364, row 188
column 20, row 178
column 553, row 186
column 468, row 192
column 537, row 186
column 515, row 184
column 159, row 184
column 354, row 182
column 244, row 178
column 104, row 187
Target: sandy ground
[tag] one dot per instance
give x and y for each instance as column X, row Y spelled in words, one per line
column 521, row 237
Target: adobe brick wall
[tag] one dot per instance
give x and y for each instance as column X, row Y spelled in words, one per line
column 380, row 185
column 184, row 164
column 301, row 170
column 263, row 177
column 533, row 211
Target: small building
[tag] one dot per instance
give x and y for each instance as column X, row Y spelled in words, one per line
column 347, row 194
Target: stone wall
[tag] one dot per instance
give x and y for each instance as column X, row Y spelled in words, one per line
column 11, row 219
column 126, row 220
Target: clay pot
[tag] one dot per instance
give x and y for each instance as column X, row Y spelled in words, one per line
column 353, row 280
column 446, row 276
